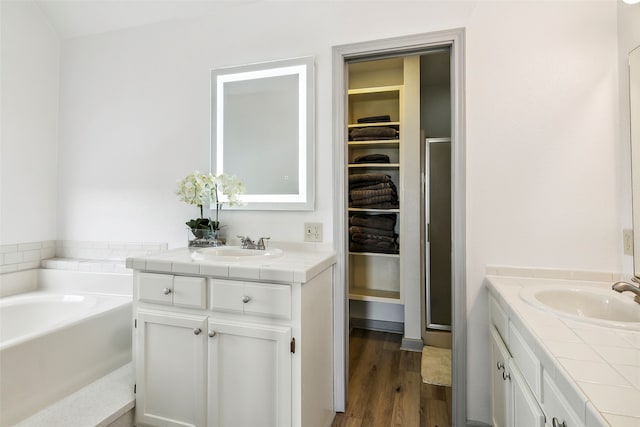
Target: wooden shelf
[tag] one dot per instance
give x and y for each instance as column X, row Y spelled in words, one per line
column 381, row 143
column 374, row 165
column 361, row 294
column 375, row 90
column 374, row 124
column 396, row 210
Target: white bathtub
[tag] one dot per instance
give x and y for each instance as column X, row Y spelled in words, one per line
column 73, row 329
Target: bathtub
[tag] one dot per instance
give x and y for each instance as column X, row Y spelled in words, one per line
column 66, row 331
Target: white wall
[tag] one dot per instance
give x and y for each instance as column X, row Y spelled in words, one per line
column 29, row 124
column 542, row 129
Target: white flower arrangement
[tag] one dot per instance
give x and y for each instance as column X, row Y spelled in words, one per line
column 197, row 189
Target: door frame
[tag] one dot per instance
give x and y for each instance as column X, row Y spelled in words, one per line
column 402, row 46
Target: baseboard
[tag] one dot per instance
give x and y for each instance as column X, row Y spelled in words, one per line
column 377, row 325
column 410, row 344
column 471, row 423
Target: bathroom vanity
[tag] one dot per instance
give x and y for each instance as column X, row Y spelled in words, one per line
column 564, row 353
column 236, row 337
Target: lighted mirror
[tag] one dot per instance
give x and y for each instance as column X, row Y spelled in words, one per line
column 634, row 108
column 262, row 130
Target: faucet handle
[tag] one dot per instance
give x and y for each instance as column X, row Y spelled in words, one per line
column 261, row 243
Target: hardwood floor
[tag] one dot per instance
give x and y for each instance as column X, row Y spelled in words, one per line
column 386, row 389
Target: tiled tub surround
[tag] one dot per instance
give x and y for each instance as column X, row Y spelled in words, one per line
column 60, row 354
column 595, row 368
column 87, row 256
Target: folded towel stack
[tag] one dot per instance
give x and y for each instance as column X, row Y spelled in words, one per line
column 373, row 233
column 372, row 190
column 373, row 133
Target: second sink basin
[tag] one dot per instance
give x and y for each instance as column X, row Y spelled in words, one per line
column 585, row 303
column 234, row 254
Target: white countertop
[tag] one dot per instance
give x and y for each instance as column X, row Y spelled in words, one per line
column 596, row 368
column 299, row 263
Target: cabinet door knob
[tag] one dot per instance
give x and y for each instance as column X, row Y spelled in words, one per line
column 197, row 331
column 506, row 376
column 500, row 366
column 557, row 423
column 166, row 291
column 246, row 298
column 212, row 333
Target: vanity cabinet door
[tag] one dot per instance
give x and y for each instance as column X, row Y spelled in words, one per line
column 170, row 375
column 526, row 410
column 501, row 413
column 249, row 375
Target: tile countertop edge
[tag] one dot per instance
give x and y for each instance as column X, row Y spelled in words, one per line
column 298, row 266
column 498, row 287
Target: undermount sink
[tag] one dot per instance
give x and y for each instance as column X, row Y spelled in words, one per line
column 585, row 303
column 234, row 253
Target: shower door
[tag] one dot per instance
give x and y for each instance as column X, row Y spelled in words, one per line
column 437, row 163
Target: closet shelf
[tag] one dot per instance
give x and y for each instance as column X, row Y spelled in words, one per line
column 361, row 294
column 374, row 165
column 375, row 254
column 381, row 143
column 373, row 210
column 368, row 125
column 375, row 90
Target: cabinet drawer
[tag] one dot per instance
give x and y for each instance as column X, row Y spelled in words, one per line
column 258, row 299
column 156, row 288
column 190, row 291
column 499, row 319
column 527, row 362
column 172, row 290
column 556, row 406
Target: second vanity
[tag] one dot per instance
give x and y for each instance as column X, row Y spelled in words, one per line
column 555, row 369
column 234, row 337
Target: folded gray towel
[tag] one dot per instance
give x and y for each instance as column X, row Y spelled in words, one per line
column 372, row 158
column 365, row 194
column 374, row 132
column 368, row 178
column 355, row 229
column 382, row 221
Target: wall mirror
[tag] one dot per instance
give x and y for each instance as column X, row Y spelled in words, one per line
column 262, row 131
column 634, row 108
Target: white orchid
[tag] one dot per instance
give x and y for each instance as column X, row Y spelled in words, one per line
column 197, row 189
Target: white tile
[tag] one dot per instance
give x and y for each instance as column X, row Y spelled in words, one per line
column 158, row 265
column 593, row 418
column 592, row 276
column 129, row 263
column 619, row 355
column 49, row 244
column 572, row 350
column 601, row 336
column 244, row 272
column 8, row 268
column 276, row 274
column 8, row 248
column 29, row 246
column 46, row 253
column 552, row 274
column 12, row 257
column 31, row 255
column 631, row 373
column 185, row 268
column 613, row 399
column 621, row 421
column 217, row 270
column 593, row 372
column 29, row 265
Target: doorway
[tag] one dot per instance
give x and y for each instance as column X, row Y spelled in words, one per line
column 414, row 293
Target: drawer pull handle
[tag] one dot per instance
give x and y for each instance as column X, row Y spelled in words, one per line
column 212, row 333
column 246, row 298
column 557, row 423
column 197, row 331
column 506, row 376
column 500, row 366
column 166, row 291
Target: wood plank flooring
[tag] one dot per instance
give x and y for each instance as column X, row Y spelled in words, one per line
column 386, row 389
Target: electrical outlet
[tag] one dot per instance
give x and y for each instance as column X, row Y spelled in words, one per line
column 313, row 232
column 627, row 239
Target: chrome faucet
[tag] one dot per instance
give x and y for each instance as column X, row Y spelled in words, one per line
column 626, row 286
column 247, row 243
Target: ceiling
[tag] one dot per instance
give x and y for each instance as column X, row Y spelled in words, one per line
column 76, row 18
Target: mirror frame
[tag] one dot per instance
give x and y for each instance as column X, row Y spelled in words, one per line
column 634, row 118
column 304, row 199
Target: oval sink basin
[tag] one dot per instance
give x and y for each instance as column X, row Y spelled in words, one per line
column 234, row 254
column 588, row 304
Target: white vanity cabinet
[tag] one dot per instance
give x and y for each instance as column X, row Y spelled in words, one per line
column 522, row 392
column 232, row 353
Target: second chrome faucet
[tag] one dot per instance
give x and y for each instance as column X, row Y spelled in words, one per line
column 247, row 243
